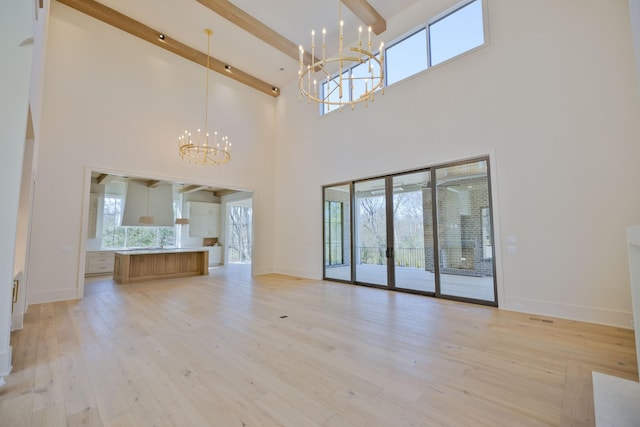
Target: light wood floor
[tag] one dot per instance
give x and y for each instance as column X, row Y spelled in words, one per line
column 230, row 350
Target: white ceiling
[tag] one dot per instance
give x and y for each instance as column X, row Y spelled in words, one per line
column 185, row 21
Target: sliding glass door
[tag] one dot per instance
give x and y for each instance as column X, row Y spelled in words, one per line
column 428, row 231
column 465, row 242
column 370, row 216
column 413, row 232
column 337, row 232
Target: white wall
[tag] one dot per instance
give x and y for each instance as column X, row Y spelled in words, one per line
column 634, row 9
column 116, row 103
column 552, row 99
column 15, row 29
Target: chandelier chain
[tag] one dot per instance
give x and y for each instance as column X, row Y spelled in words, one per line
column 197, row 148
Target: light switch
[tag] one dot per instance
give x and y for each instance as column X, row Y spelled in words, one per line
column 512, row 249
column 512, row 240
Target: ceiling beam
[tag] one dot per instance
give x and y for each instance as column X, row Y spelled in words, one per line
column 151, row 35
column 367, row 14
column 220, row 193
column 103, row 178
column 242, row 19
column 192, row 188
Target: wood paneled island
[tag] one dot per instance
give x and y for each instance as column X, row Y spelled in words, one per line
column 140, row 265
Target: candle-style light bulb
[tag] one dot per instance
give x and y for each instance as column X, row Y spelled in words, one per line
column 324, row 43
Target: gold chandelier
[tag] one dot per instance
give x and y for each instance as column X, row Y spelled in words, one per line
column 197, row 148
column 335, row 75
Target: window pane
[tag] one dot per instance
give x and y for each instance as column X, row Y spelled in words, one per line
column 370, row 212
column 142, row 237
column 413, row 232
column 456, row 33
column 337, row 242
column 112, row 233
column 361, row 77
column 240, row 235
column 464, row 231
column 407, row 57
column 331, row 91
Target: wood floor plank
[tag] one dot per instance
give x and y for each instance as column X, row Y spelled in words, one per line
column 233, row 350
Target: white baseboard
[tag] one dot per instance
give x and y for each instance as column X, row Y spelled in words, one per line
column 261, row 271
column 298, row 273
column 5, row 362
column 40, row 297
column 620, row 319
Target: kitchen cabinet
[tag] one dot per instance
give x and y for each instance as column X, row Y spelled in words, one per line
column 99, row 262
column 215, row 255
column 204, row 219
column 165, row 264
column 141, row 265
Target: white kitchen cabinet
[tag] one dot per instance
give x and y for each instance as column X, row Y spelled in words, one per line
column 215, row 255
column 99, row 262
column 204, row 219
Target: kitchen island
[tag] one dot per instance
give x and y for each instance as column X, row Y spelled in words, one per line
column 149, row 264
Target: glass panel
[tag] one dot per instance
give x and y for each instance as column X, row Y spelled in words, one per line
column 371, row 232
column 112, row 232
column 456, row 33
column 407, row 57
column 337, row 232
column 413, row 232
column 240, row 237
column 331, row 91
column 361, row 80
column 464, row 231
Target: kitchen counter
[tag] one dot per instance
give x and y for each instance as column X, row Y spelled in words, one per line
column 150, row 264
column 160, row 250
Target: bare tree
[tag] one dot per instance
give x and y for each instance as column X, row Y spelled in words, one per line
column 240, row 238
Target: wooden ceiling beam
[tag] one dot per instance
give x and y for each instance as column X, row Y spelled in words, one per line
column 103, row 178
column 193, row 188
column 220, row 193
column 151, row 35
column 367, row 14
column 242, row 19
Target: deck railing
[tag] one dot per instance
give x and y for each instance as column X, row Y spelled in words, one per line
column 403, row 257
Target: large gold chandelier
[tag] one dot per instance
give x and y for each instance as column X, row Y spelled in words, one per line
column 198, row 148
column 331, row 81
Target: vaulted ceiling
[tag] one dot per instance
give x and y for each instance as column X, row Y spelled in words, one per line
column 254, row 42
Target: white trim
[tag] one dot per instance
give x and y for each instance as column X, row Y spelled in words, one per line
column 300, row 273
column 617, row 318
column 5, row 363
column 17, row 321
column 53, row 295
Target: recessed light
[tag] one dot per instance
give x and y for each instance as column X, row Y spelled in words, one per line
column 161, row 36
column 227, row 68
column 275, row 89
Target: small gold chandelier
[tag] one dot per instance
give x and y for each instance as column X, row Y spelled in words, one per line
column 335, row 74
column 197, row 148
